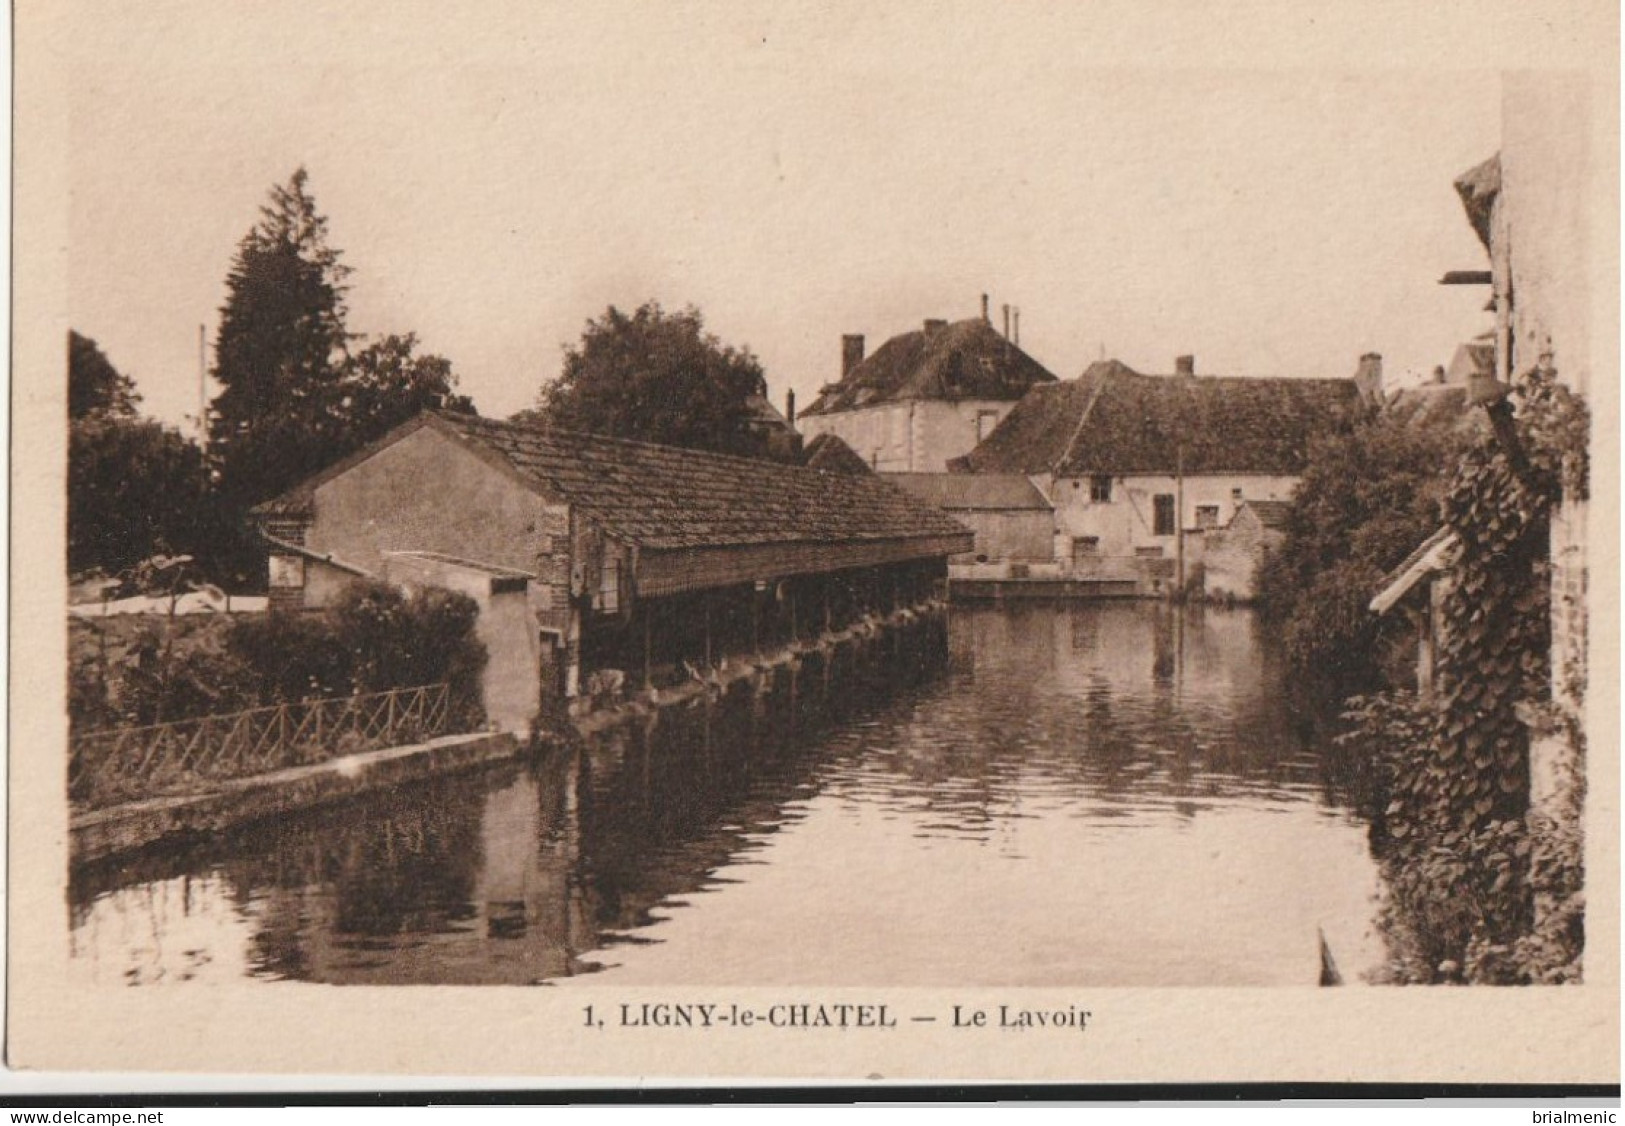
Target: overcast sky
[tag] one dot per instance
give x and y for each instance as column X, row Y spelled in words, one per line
column 797, row 174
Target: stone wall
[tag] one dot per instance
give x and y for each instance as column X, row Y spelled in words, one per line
column 916, row 436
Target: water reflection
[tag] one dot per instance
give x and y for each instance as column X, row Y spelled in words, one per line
column 1114, row 794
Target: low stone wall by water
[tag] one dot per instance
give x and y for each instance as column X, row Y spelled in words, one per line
column 133, row 825
column 590, row 715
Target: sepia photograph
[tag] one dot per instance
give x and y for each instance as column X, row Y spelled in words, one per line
column 905, row 541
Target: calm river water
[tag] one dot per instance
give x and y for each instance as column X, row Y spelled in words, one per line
column 1097, row 794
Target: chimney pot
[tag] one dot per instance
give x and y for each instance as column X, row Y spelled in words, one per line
column 790, row 406
column 851, row 353
column 985, row 318
column 1006, row 321
column 1368, row 376
column 1184, row 365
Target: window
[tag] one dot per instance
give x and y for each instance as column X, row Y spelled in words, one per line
column 1100, row 489
column 1163, row 514
column 985, row 422
column 287, row 571
column 1207, row 516
column 609, row 587
column 1235, row 494
column 1085, row 547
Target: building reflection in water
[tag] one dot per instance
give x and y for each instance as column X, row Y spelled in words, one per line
column 1124, row 714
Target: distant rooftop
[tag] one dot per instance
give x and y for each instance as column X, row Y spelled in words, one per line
column 973, row 492
column 1114, row 420
column 1270, row 513
column 828, row 454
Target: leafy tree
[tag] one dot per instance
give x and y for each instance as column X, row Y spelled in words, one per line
column 1367, row 499
column 384, row 384
column 136, row 488
column 94, row 384
column 658, row 377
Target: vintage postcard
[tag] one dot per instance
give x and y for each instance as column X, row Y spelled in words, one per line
column 815, row 542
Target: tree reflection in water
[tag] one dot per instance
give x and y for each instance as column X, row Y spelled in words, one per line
column 1136, row 716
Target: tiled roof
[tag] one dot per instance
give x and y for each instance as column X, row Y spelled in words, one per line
column 1270, row 513
column 973, row 492
column 1113, row 420
column 1438, row 407
column 664, row 498
column 964, row 360
column 763, row 413
column 828, row 454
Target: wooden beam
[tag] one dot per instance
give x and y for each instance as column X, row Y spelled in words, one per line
column 706, row 602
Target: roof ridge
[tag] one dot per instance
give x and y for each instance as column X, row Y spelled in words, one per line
column 588, row 435
column 1077, row 431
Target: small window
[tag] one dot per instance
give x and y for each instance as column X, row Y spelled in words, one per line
column 287, row 571
column 985, row 422
column 1163, row 514
column 609, row 587
column 1100, row 489
column 1207, row 516
column 1235, row 494
column 1085, row 547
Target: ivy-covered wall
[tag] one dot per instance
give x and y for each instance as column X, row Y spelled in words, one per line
column 1482, row 883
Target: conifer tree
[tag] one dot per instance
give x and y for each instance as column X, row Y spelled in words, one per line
column 279, row 352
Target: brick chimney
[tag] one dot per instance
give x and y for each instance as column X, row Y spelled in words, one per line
column 790, row 406
column 933, row 326
column 1184, row 365
column 851, row 353
column 985, row 318
column 1368, row 377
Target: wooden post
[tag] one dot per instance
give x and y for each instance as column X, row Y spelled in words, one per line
column 648, row 612
column 1179, row 519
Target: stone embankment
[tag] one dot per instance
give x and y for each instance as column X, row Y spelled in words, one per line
column 121, row 828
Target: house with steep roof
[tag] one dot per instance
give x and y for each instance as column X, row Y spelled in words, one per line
column 591, row 555
column 923, row 397
column 1138, row 467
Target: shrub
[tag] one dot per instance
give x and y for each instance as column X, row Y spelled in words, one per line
column 375, row 639
column 1367, row 499
column 399, row 641
column 291, row 657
